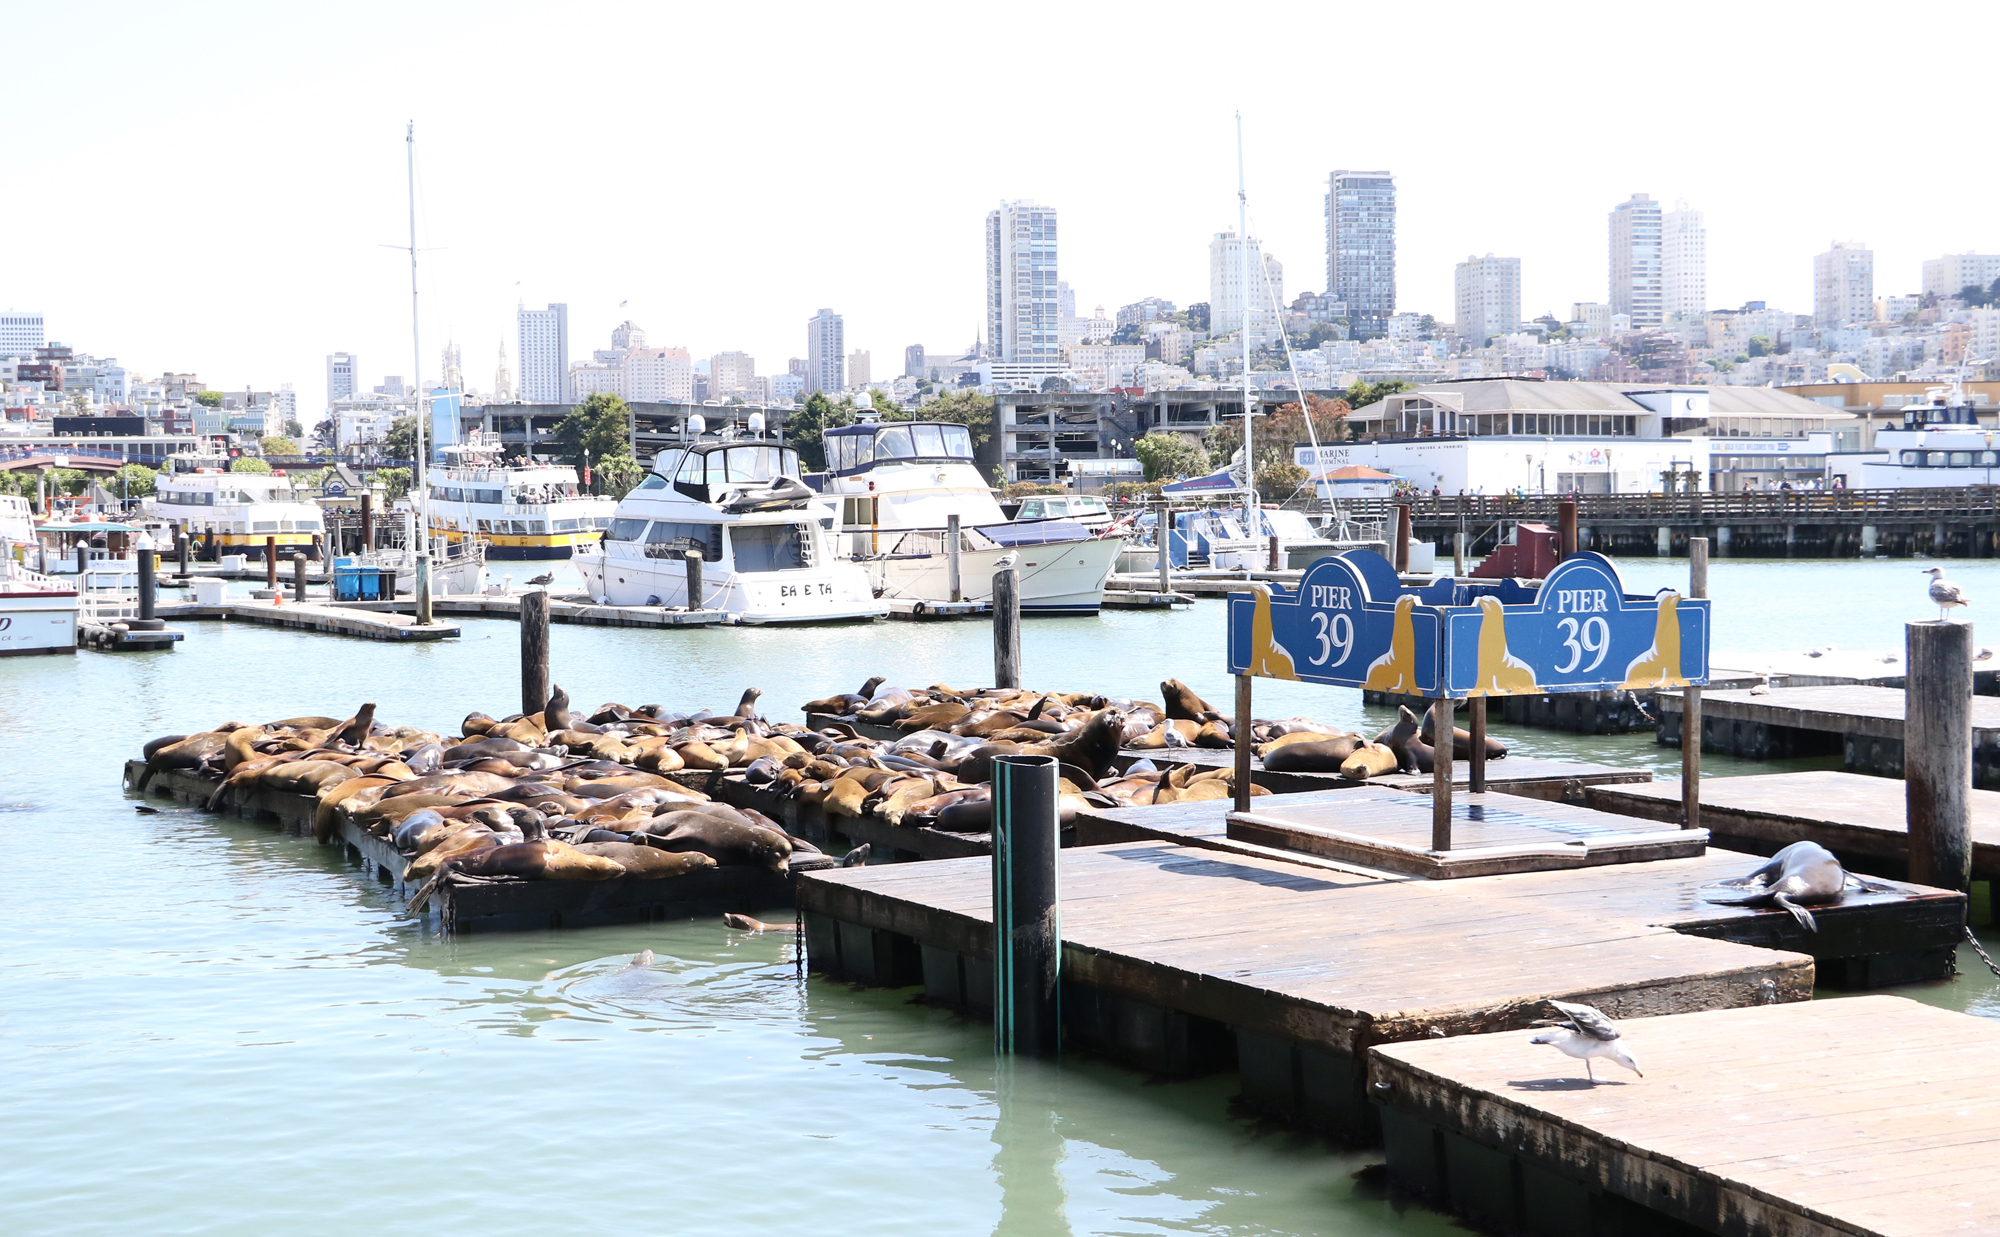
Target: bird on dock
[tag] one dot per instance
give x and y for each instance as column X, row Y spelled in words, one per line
column 1984, row 654
column 1763, row 688
column 1821, row 651
column 542, row 580
column 858, row 857
column 1584, row 1033
column 1944, row 594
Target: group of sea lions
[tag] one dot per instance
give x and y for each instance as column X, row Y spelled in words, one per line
column 1406, row 747
column 545, row 796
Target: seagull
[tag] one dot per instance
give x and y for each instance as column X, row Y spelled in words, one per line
column 1761, row 689
column 1888, row 660
column 541, row 580
column 858, row 857
column 1945, row 594
column 1007, row 559
column 1822, row 651
column 1585, row 1033
column 1984, row 654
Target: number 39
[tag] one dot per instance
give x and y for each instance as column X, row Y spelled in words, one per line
column 1337, row 635
column 1596, row 638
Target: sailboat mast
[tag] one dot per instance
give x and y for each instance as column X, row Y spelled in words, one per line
column 423, row 506
column 1250, row 527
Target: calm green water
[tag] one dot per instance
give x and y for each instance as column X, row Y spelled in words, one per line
column 206, row 1025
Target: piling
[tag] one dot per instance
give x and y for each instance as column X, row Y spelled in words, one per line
column 181, row 551
column 367, row 523
column 1027, row 920
column 1240, row 735
column 951, row 542
column 1691, row 701
column 1937, row 753
column 299, row 578
column 1868, row 541
column 1402, row 537
column 82, row 562
column 697, row 594
column 1477, row 708
column 1273, row 564
column 1566, row 528
column 1441, row 774
column 1722, row 540
column 146, row 581
column 534, row 651
column 1006, row 628
column 1663, row 541
column 1164, row 535
column 271, row 563
column 1458, row 554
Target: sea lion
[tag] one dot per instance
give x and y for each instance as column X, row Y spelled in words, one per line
column 1089, row 749
column 726, row 842
column 154, row 745
column 744, row 923
column 1401, row 739
column 1804, row 872
column 555, row 714
column 1305, row 755
column 648, row 863
column 1184, row 705
column 188, row 753
column 1370, row 760
column 1461, row 741
column 544, row 859
column 354, row 731
column 747, row 706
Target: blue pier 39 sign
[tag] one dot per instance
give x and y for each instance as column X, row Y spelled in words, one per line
column 1350, row 624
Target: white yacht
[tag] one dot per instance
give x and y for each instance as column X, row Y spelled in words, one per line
column 766, row 540
column 900, row 482
column 1091, row 512
column 1940, row 445
column 37, row 611
column 521, row 511
column 236, row 511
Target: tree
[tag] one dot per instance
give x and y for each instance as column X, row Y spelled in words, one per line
column 885, row 407
column 323, row 434
column 71, row 481
column 600, row 426
column 962, row 407
column 208, row 399
column 1364, row 393
column 1168, row 456
column 1760, row 345
column 1974, row 296
column 1130, row 333
column 134, row 481
column 274, row 445
column 293, row 429
column 395, row 482
column 1279, row 476
column 806, row 429
column 1197, row 316
column 400, row 443
column 79, row 403
column 248, row 463
column 618, row 474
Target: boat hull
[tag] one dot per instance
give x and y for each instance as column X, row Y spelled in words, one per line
column 837, row 594
column 535, row 548
column 37, row 622
column 1060, row 577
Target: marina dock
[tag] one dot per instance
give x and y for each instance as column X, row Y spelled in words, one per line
column 335, row 620
column 1871, row 1116
column 1532, row 776
column 573, row 608
column 1863, row 725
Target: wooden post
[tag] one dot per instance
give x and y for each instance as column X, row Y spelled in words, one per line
column 1441, row 775
column 1478, row 757
column 1163, row 534
column 298, row 577
column 1458, row 554
column 1027, row 915
column 82, row 562
column 534, row 650
column 271, row 563
column 697, row 591
column 1239, row 736
column 1402, row 546
column 1272, row 563
column 1566, row 528
column 1937, row 753
column 951, row 540
column 146, row 569
column 1691, row 700
column 367, row 523
column 181, row 551
column 1006, row 628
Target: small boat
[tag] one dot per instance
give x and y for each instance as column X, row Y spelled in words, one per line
column 521, row 510
column 37, row 611
column 764, row 538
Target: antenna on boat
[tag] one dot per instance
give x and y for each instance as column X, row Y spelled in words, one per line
column 423, row 546
column 1243, row 266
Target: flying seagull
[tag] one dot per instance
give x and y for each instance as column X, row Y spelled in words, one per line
column 1584, row 1033
column 1945, row 594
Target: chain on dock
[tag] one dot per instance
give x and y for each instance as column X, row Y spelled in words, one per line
column 1981, row 951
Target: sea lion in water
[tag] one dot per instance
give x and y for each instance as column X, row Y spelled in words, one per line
column 744, row 923
column 1804, row 872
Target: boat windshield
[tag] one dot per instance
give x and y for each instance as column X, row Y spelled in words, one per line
column 858, row 448
column 745, row 464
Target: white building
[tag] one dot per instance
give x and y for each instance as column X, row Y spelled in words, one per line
column 1488, row 298
column 1590, row 320
column 586, row 380
column 733, row 373
column 21, row 333
column 343, row 376
column 1946, row 276
column 826, row 353
column 1844, row 284
column 1361, row 247
column 1637, row 261
column 1138, row 313
column 1226, row 293
column 1684, row 262
column 782, row 388
column 659, row 376
column 857, row 369
column 1023, row 299
column 1075, row 330
column 544, row 353
column 1098, row 366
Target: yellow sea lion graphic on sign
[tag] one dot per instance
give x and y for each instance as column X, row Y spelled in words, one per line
column 1396, row 670
column 1500, row 672
column 1660, row 666
column 1267, row 657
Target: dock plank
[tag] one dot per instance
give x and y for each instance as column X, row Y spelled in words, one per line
column 1533, row 776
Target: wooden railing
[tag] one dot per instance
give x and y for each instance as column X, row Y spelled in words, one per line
column 1926, row 506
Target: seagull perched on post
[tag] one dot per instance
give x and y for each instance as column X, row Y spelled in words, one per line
column 1945, row 594
column 1007, row 560
column 1585, row 1033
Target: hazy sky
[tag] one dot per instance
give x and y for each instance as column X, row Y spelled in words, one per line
column 209, row 188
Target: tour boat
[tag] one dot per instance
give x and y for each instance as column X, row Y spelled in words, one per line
column 237, row 512
column 900, row 482
column 765, row 539
column 521, row 511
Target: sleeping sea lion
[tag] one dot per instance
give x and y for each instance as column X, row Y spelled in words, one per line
column 544, row 859
column 1309, row 755
column 1461, row 741
column 1370, row 760
column 648, row 863
column 1804, row 872
column 726, row 842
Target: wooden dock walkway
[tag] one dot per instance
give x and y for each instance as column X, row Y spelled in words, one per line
column 1868, row 1117
column 335, row 620
column 1863, row 724
column 569, row 609
column 1851, row 814
column 1532, row 776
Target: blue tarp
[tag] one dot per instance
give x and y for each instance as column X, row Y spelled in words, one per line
column 1214, row 483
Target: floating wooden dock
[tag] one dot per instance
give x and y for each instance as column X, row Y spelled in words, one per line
column 1864, row 725
column 573, row 609
column 1857, row 817
column 1869, row 1116
column 1516, row 775
column 1183, row 960
column 335, row 620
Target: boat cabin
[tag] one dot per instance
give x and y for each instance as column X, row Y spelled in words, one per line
column 857, row 448
column 700, row 470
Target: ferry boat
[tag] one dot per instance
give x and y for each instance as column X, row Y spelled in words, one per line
column 1940, row 445
column 765, row 538
column 521, row 511
column 900, row 482
column 236, row 511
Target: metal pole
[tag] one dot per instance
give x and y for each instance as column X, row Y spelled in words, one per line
column 1691, row 700
column 1239, row 735
column 951, row 539
column 1006, row 628
column 146, row 582
column 1027, row 914
column 1478, row 753
column 534, row 651
column 1937, row 752
column 1441, row 775
column 181, row 551
column 423, row 503
column 1243, row 267
column 697, row 593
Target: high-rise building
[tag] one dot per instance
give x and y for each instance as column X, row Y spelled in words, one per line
column 1684, row 262
column 1225, row 288
column 20, row 333
column 857, row 368
column 1843, row 284
column 658, row 376
column 1946, row 276
column 343, row 376
column 1361, row 248
column 544, row 352
column 826, row 351
column 1023, row 302
column 1065, row 299
column 913, row 361
column 1488, row 298
column 1637, row 262
column 732, row 373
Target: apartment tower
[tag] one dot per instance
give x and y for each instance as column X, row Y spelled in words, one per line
column 1637, row 262
column 1361, row 248
column 1023, row 295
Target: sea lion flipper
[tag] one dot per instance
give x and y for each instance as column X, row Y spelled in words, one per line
column 1798, row 912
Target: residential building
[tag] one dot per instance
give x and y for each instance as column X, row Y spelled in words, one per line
column 1065, row 299
column 1023, row 302
column 1946, row 276
column 913, row 361
column 590, row 378
column 857, row 368
column 1684, row 262
column 826, row 351
column 1098, row 366
column 1590, row 320
column 658, row 376
column 1140, row 312
column 544, row 351
column 1168, row 342
column 1488, row 298
column 1075, row 330
column 1361, row 248
column 1226, row 295
column 733, row 373
column 1637, row 261
column 20, row 333
column 783, row 388
column 1843, row 284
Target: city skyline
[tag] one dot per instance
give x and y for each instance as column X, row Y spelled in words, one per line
column 285, row 274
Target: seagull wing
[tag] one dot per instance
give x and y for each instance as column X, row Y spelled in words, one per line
column 1588, row 1021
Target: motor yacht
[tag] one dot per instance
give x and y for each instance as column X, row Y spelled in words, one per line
column 764, row 538
column 899, row 483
